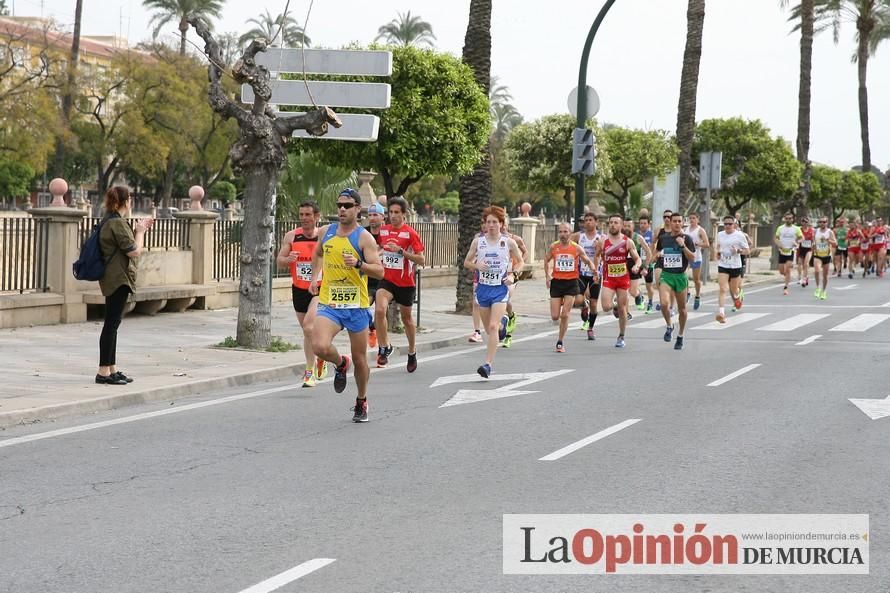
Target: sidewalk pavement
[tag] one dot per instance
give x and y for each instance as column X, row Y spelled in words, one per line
column 48, row 370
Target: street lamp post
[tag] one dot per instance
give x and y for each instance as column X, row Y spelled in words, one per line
column 582, row 104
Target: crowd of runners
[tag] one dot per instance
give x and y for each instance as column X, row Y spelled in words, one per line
column 345, row 276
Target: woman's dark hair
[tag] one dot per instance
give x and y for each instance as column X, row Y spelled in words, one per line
column 115, row 197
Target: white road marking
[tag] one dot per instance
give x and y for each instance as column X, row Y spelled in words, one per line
column 847, row 287
column 873, row 408
column 809, row 340
column 886, row 305
column 289, row 576
column 792, row 323
column 469, row 396
column 712, row 300
column 732, row 321
column 659, row 323
column 588, row 440
column 860, row 323
column 732, row 376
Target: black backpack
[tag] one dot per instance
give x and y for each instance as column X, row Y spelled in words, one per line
column 90, row 265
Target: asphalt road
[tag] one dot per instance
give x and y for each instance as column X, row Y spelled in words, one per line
column 220, row 493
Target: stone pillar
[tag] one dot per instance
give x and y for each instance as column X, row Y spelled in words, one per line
column 528, row 230
column 201, row 224
column 63, row 248
column 196, row 195
column 365, row 190
column 58, row 187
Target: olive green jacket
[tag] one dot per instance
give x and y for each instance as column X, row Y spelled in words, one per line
column 116, row 240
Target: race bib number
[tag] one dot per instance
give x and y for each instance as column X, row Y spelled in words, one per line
column 565, row 263
column 806, row 243
column 617, row 270
column 344, row 297
column 490, row 278
column 393, row 261
column 304, row 271
column 854, row 243
column 879, row 239
column 822, row 249
column 673, row 261
column 726, row 258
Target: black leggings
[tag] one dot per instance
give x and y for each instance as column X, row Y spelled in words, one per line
column 114, row 312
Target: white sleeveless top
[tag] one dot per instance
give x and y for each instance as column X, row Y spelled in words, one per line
column 496, row 256
column 589, row 246
column 696, row 238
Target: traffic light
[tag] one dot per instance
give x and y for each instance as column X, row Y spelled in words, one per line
column 583, row 152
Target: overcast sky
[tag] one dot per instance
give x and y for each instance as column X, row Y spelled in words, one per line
column 749, row 61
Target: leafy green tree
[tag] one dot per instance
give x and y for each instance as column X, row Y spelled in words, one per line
column 180, row 11
column 282, row 30
column 825, row 188
column 636, row 156
column 224, row 191
column 447, row 204
column 436, row 125
column 859, row 191
column 406, row 30
column 539, row 156
column 15, row 179
column 308, row 177
column 756, row 166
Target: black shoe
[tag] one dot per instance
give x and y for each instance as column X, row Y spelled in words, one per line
column 412, row 362
column 120, row 375
column 668, row 332
column 679, row 343
column 340, row 374
column 360, row 410
column 110, row 380
column 383, row 354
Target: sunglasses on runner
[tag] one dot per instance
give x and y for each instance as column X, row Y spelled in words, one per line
column 346, row 205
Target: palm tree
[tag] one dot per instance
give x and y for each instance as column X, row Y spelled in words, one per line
column 291, row 33
column 695, row 21
column 505, row 117
column 805, row 13
column 872, row 20
column 475, row 188
column 181, row 10
column 498, row 94
column 406, row 30
column 58, row 167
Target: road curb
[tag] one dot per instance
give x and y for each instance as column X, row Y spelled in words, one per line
column 185, row 389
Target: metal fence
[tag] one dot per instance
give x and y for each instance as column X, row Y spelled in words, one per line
column 439, row 242
column 24, row 246
column 167, row 234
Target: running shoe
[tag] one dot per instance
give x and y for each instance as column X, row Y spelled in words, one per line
column 668, row 333
column 340, row 374
column 720, row 318
column 360, row 410
column 511, row 323
column 585, row 313
column 508, row 341
column 412, row 362
column 696, row 303
column 785, row 291
column 737, row 302
column 818, row 293
column 308, row 379
column 850, row 275
column 649, row 308
column 560, row 347
column 383, row 354
column 321, row 369
column 475, row 338
column 638, row 300
column 372, row 338
column 824, row 295
column 629, row 316
column 658, row 306
column 502, row 328
column 484, row 371
column 620, row 342
column 678, row 345
column 591, row 335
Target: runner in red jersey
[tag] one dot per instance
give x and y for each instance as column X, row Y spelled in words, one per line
column 879, row 246
column 867, row 253
column 614, row 251
column 296, row 251
column 805, row 252
column 400, row 250
column 854, row 247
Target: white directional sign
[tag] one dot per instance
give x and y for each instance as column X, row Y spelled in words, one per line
column 469, row 396
column 366, row 95
column 873, row 408
column 327, row 61
column 358, row 127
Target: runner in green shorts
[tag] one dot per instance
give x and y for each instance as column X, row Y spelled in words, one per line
column 674, row 250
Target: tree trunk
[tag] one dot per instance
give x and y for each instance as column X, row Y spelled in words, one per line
column 475, row 188
column 807, row 22
column 862, row 68
column 58, row 167
column 168, row 181
column 183, row 31
column 254, row 306
column 695, row 20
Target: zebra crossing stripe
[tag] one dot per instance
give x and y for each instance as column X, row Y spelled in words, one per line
column 792, row 323
column 860, row 323
column 659, row 323
column 732, row 321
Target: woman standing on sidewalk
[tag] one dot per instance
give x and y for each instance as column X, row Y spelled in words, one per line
column 120, row 248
